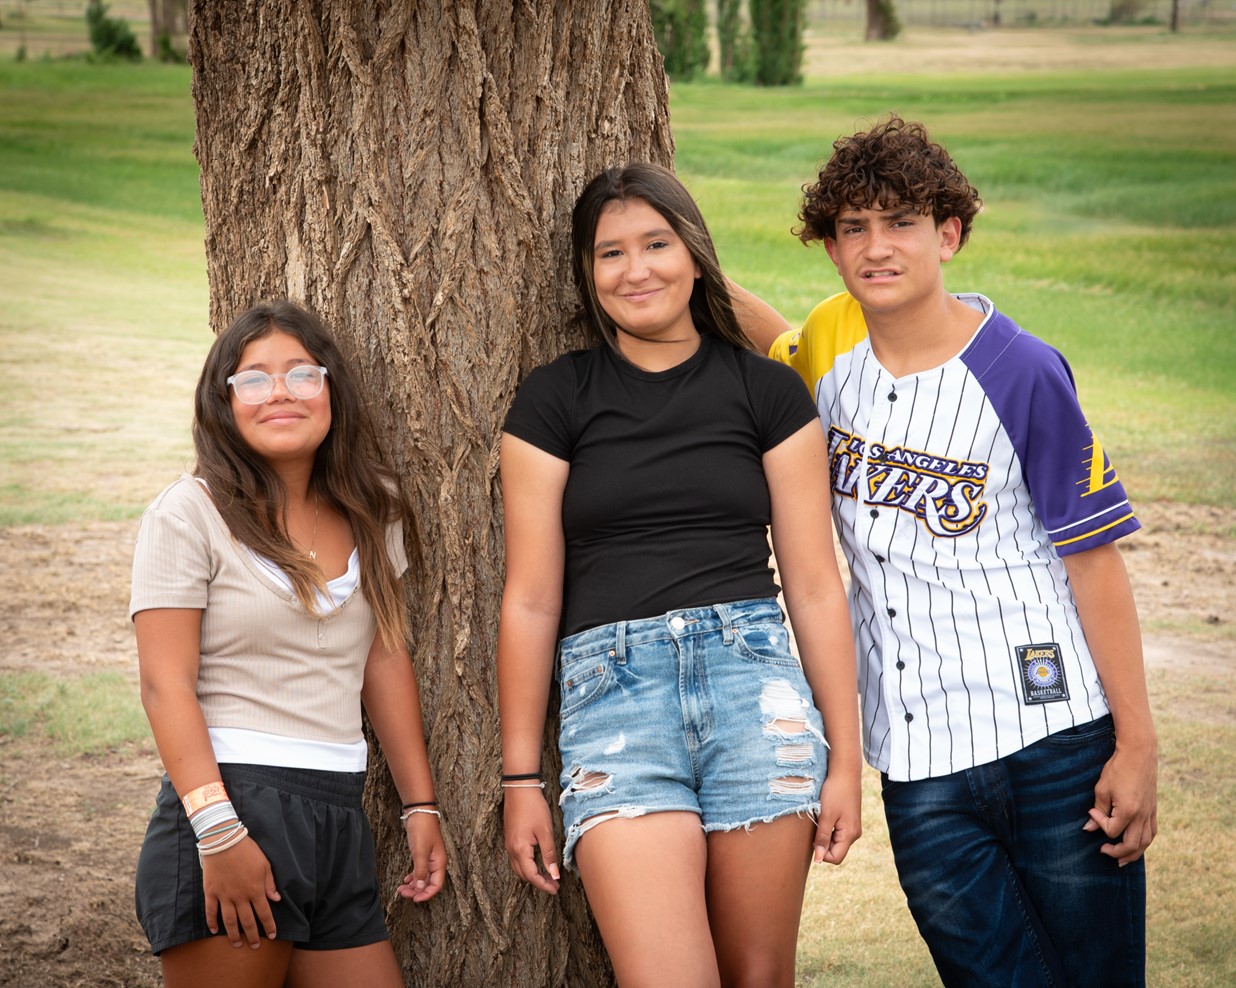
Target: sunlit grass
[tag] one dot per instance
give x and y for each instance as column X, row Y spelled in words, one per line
column 81, row 716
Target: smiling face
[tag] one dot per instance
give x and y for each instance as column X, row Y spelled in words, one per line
column 643, row 273
column 283, row 429
column 890, row 259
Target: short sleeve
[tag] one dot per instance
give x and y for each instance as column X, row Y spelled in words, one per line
column 833, row 327
column 541, row 411
column 781, row 401
column 171, row 562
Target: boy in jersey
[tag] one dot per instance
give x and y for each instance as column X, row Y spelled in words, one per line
column 1000, row 660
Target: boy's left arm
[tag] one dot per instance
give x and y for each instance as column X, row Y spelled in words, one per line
column 1125, row 799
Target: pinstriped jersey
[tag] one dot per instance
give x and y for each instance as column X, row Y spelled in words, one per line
column 956, row 491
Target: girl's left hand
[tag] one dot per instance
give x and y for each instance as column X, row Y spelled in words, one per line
column 840, row 823
column 428, row 858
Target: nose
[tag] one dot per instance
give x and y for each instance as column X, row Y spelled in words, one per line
column 637, row 267
column 878, row 242
column 279, row 382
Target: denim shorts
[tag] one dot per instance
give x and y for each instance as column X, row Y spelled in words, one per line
column 703, row 710
column 314, row 832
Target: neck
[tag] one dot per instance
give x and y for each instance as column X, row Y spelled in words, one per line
column 657, row 354
column 934, row 333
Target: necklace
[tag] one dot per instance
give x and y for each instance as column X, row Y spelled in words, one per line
column 317, row 504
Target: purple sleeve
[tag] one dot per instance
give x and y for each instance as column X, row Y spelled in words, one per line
column 1073, row 485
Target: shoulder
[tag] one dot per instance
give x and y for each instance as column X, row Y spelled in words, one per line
column 1002, row 354
column 184, row 498
column 835, row 326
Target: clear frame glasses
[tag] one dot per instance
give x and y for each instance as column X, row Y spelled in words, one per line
column 254, row 386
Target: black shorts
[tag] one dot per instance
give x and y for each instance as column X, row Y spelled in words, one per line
column 313, row 831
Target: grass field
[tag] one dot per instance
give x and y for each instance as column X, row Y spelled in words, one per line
column 1110, row 230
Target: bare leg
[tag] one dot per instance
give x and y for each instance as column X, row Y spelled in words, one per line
column 373, row 965
column 644, row 877
column 214, row 961
column 755, row 888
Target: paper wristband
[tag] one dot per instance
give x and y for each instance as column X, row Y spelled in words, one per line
column 202, row 796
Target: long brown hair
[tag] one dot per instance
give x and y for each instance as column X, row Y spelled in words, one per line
column 712, row 308
column 346, row 474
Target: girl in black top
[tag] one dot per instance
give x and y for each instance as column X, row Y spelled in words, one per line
column 639, row 480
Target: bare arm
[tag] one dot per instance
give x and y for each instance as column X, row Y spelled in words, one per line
column 761, row 323
column 797, row 472
column 1125, row 799
column 237, row 882
column 533, row 483
column 393, row 702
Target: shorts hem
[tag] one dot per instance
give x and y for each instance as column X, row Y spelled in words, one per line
column 811, row 809
column 360, row 940
column 177, row 940
column 568, row 851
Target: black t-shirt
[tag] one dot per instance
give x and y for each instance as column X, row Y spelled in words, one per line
column 666, row 505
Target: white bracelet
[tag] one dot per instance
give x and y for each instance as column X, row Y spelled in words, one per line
column 523, row 785
column 403, row 817
column 231, row 840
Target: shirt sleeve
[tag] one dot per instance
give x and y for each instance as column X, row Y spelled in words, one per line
column 833, row 327
column 541, row 411
column 171, row 562
column 1076, row 492
column 782, row 405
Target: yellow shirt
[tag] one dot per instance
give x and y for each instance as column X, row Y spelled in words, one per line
column 833, row 327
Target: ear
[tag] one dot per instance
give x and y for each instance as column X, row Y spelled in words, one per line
column 830, row 245
column 950, row 238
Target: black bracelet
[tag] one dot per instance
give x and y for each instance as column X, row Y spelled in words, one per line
column 412, row 806
column 521, row 778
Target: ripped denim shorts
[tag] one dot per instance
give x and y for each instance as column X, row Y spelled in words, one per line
column 704, row 710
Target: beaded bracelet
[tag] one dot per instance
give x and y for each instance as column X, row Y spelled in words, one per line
column 403, row 817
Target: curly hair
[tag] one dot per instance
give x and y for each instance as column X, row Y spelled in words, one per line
column 894, row 164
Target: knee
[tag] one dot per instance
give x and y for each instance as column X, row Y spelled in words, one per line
column 758, row 972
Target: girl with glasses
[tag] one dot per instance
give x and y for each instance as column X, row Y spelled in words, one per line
column 268, row 610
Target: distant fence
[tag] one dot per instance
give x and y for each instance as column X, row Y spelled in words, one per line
column 1026, row 13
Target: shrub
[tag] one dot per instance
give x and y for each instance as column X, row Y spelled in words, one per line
column 681, row 29
column 777, row 30
column 111, row 37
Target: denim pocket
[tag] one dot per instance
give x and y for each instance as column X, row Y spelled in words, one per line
column 583, row 679
column 765, row 641
column 1074, row 737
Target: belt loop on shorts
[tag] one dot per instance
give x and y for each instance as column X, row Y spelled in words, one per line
column 727, row 625
column 620, row 642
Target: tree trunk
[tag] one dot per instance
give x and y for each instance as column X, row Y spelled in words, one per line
column 407, row 169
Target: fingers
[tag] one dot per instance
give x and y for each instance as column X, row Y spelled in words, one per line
column 1130, row 838
column 529, row 832
column 239, row 886
column 833, row 842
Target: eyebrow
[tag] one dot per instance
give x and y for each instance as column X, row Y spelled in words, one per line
column 660, row 231
column 901, row 212
column 293, row 362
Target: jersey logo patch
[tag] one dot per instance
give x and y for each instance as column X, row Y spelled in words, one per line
column 946, row 495
column 1042, row 673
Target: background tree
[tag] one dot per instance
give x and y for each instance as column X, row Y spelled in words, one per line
column 408, row 169
column 883, row 24
column 168, row 21
column 777, row 37
column 681, row 30
column 733, row 42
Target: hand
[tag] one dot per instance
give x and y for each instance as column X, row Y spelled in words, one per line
column 1126, row 801
column 238, row 882
column 840, row 823
column 428, row 850
column 529, row 828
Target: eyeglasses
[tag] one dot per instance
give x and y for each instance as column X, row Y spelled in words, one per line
column 254, row 386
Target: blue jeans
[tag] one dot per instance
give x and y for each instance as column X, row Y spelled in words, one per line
column 1005, row 886
column 703, row 710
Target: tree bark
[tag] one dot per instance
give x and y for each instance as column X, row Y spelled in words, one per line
column 407, row 169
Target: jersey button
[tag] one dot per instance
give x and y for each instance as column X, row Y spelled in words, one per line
column 900, row 664
column 892, row 612
column 879, row 559
column 909, row 717
column 874, row 513
column 892, row 396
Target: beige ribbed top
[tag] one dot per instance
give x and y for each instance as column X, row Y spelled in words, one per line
column 266, row 664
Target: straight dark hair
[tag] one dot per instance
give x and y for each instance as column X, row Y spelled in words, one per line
column 346, row 474
column 712, row 308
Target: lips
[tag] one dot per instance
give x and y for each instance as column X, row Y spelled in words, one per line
column 882, row 273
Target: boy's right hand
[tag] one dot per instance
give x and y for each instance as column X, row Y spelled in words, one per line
column 529, row 829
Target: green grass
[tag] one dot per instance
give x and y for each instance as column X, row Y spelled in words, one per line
column 88, row 715
column 1109, row 229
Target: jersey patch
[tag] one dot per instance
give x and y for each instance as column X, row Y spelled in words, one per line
column 1042, row 673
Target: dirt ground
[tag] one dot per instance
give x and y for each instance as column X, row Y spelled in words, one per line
column 71, row 826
